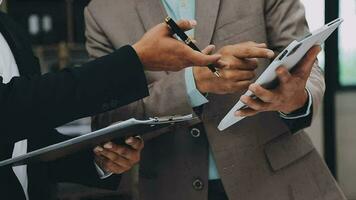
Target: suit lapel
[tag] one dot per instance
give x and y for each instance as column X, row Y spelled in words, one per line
column 206, row 15
column 151, row 12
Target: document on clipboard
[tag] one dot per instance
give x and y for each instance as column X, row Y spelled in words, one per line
column 288, row 58
column 121, row 130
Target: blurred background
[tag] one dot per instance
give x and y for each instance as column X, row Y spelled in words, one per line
column 57, row 28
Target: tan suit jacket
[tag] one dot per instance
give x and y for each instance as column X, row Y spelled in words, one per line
column 258, row 158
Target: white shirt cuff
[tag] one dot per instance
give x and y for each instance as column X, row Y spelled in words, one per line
column 102, row 174
column 307, row 113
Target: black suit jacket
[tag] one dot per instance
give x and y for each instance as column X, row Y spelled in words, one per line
column 31, row 106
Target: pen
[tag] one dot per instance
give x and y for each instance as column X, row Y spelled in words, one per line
column 180, row 33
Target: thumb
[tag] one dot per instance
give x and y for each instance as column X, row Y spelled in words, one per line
column 208, row 50
column 306, row 64
column 186, row 25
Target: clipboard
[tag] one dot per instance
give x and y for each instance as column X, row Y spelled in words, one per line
column 121, row 130
column 288, row 58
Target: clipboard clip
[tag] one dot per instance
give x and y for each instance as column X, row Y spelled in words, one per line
column 172, row 119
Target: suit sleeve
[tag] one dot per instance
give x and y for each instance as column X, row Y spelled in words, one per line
column 285, row 21
column 168, row 95
column 54, row 99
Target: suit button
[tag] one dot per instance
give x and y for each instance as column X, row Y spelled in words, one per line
column 198, row 184
column 195, row 132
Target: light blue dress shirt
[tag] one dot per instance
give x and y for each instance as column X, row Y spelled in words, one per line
column 185, row 9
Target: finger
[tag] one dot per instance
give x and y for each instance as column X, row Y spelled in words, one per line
column 255, row 104
column 97, row 150
column 237, row 75
column 255, row 44
column 116, row 158
column 252, row 52
column 261, row 45
column 283, row 74
column 113, row 167
column 186, row 25
column 263, row 94
column 236, row 86
column 135, row 142
column 238, row 63
column 249, row 64
column 123, row 151
column 305, row 66
column 199, row 59
column 221, row 64
column 208, row 50
column 247, row 112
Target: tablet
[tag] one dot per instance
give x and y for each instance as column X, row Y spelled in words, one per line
column 121, row 130
column 289, row 57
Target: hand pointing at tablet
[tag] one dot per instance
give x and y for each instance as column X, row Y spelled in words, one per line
column 289, row 96
column 238, row 62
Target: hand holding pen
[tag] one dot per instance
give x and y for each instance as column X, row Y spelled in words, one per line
column 158, row 50
column 188, row 41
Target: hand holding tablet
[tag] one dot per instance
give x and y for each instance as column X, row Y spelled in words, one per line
column 288, row 58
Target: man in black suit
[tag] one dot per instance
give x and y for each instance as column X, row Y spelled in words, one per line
column 31, row 105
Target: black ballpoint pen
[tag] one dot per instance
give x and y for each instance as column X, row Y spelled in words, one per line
column 186, row 39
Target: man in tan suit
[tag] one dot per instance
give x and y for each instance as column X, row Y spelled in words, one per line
column 266, row 156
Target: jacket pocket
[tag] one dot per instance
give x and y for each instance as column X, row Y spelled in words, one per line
column 287, row 149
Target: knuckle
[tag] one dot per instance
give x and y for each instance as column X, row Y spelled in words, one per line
column 247, row 100
column 257, row 91
column 248, row 51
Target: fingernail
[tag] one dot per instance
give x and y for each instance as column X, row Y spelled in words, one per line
column 193, row 22
column 129, row 140
column 238, row 114
column 270, row 54
column 279, row 70
column 98, row 149
column 212, row 47
column 108, row 145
